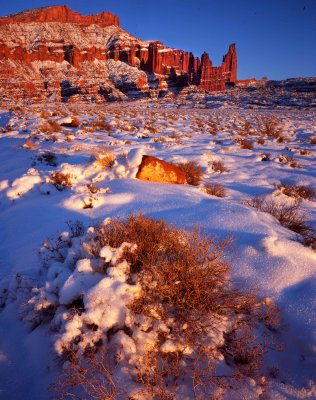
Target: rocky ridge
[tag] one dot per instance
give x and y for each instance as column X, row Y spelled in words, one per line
column 57, row 54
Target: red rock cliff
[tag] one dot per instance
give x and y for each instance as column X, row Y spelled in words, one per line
column 54, row 50
column 61, row 14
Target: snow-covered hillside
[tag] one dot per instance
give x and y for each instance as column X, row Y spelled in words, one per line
column 52, row 176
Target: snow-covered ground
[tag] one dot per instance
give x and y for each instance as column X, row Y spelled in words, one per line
column 267, row 257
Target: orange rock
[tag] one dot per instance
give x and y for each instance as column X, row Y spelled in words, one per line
column 155, row 170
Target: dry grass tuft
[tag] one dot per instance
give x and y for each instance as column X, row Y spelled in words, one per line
column 271, row 128
column 60, row 180
column 289, row 159
column 193, row 172
column 244, row 143
column 100, row 125
column 288, row 214
column 104, row 158
column 306, row 192
column 93, row 188
column 48, row 158
column 45, row 114
column 265, row 156
column 215, row 189
column 218, row 166
column 50, row 126
column 312, row 140
column 30, row 145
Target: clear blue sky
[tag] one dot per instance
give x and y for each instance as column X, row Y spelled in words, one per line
column 274, row 38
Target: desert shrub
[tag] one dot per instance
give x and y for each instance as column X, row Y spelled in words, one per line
column 218, row 166
column 261, row 141
column 91, row 375
column 304, row 152
column 69, row 139
column 45, row 114
column 185, row 284
column 244, row 143
column 213, row 128
column 48, row 158
column 101, row 125
column 312, row 140
column 215, row 189
column 265, row 156
column 51, row 138
column 30, row 145
column 60, row 180
column 50, row 126
column 175, row 137
column 193, row 172
column 289, row 159
column 157, row 312
column 294, row 164
column 75, row 122
column 306, row 192
column 288, row 214
column 160, row 139
column 280, row 139
column 88, row 204
column 271, row 128
column 104, row 158
column 76, row 228
column 150, row 128
column 246, row 128
column 93, row 188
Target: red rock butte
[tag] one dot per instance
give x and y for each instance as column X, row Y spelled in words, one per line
column 54, row 51
column 61, row 14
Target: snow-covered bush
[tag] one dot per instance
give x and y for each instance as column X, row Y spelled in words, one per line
column 104, row 158
column 158, row 301
column 60, row 180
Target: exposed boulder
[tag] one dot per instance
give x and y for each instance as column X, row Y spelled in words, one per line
column 155, row 170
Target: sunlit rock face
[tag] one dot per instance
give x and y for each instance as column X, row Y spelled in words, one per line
column 55, row 53
column 155, row 170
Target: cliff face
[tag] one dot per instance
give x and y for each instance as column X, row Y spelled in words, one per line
column 61, row 14
column 56, row 53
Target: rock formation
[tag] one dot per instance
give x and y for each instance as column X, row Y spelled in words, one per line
column 155, row 170
column 61, row 14
column 55, row 53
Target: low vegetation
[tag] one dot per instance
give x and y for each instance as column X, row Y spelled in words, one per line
column 186, row 298
column 306, row 192
column 104, row 158
column 218, row 166
column 50, row 126
column 288, row 214
column 193, row 172
column 215, row 189
column 60, row 180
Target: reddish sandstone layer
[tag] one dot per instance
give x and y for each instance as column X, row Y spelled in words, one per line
column 61, row 14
